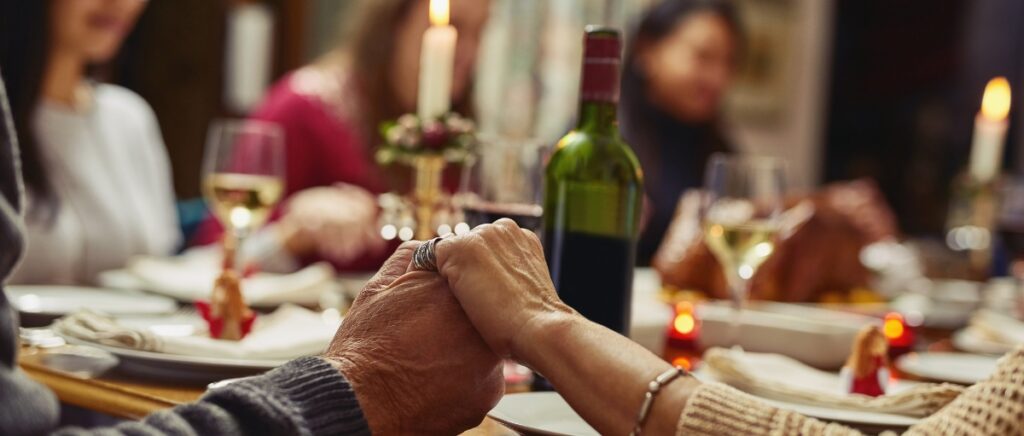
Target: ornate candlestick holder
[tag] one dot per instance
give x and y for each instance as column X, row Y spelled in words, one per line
column 427, row 148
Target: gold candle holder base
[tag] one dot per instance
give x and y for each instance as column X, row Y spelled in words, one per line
column 427, row 192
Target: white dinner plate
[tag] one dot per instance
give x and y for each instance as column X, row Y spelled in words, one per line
column 971, row 342
column 962, row 368
column 816, row 336
column 55, row 301
column 180, row 367
column 544, row 413
column 547, row 413
column 871, row 422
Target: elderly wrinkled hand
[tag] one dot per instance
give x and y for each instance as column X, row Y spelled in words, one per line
column 499, row 275
column 413, row 358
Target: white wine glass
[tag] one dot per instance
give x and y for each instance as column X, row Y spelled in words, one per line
column 741, row 213
column 242, row 176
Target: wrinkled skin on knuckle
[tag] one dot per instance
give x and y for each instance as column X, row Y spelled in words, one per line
column 412, row 345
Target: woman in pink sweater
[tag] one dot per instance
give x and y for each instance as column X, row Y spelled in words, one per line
column 330, row 111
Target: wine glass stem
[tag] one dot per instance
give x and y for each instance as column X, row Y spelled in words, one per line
column 232, row 245
column 740, row 288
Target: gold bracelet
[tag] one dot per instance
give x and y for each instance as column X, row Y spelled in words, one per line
column 652, row 391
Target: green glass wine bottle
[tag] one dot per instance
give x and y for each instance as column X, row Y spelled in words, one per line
column 593, row 195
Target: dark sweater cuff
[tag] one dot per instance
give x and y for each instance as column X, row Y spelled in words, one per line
column 322, row 396
column 306, row 396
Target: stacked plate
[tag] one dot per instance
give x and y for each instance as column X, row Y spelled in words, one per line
column 39, row 305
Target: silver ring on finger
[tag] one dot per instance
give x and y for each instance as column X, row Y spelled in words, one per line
column 425, row 256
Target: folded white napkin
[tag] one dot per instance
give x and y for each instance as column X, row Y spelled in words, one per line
column 190, row 277
column 997, row 327
column 287, row 333
column 781, row 378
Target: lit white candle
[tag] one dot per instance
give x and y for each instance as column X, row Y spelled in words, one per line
column 990, row 130
column 437, row 63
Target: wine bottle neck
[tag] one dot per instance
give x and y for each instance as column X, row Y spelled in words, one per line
column 599, row 117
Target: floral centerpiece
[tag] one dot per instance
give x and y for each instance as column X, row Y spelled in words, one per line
column 427, row 147
column 450, row 136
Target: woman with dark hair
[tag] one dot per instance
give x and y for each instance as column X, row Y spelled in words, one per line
column 679, row 64
column 96, row 171
column 331, row 111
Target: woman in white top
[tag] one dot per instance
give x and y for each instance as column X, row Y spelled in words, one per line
column 95, row 165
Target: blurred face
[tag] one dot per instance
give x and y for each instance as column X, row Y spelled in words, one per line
column 468, row 17
column 92, row 29
column 689, row 70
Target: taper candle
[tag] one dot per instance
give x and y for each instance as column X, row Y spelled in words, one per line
column 990, row 130
column 437, row 63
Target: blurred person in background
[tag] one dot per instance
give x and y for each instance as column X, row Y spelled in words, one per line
column 331, row 111
column 681, row 61
column 676, row 72
column 96, row 170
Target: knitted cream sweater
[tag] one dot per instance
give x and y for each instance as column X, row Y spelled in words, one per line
column 992, row 407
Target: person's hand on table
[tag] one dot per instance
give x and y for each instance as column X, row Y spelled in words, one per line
column 413, row 358
column 337, row 222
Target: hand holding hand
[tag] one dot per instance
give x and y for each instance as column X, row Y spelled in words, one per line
column 499, row 275
column 414, row 361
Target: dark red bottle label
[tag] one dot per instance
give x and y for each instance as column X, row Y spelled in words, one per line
column 601, row 59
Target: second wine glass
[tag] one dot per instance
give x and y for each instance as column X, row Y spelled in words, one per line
column 741, row 214
column 243, row 175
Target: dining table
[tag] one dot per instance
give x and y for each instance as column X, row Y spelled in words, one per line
column 126, row 397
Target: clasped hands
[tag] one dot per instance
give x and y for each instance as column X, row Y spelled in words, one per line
column 423, row 350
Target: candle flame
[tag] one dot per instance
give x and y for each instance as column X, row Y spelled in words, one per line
column 684, row 323
column 893, row 327
column 439, row 12
column 995, row 104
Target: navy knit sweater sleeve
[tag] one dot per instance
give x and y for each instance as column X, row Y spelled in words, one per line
column 307, row 396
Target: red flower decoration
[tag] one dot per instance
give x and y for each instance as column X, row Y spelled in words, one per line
column 435, row 136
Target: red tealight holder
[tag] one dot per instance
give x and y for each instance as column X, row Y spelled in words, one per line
column 899, row 334
column 684, row 330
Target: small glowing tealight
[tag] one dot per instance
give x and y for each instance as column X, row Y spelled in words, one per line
column 684, row 323
column 893, row 327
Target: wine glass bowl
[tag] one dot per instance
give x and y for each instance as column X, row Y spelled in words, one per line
column 243, row 173
column 741, row 213
column 504, row 181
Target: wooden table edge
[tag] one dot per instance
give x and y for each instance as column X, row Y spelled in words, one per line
column 110, row 398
